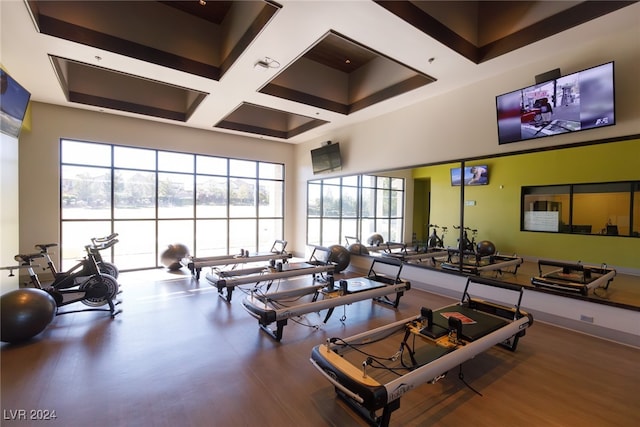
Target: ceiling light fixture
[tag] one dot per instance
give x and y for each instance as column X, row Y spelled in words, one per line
column 202, row 2
column 266, row 63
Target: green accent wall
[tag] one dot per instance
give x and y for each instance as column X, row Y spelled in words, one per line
column 421, row 208
column 496, row 213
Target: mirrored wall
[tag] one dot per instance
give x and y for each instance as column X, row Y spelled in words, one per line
column 594, row 220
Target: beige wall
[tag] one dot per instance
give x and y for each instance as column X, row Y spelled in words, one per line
column 462, row 124
column 40, row 159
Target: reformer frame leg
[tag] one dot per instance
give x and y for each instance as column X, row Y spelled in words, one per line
column 277, row 333
column 221, row 294
column 386, row 300
column 329, row 313
column 369, row 416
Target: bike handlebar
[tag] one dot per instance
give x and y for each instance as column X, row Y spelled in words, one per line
column 104, row 239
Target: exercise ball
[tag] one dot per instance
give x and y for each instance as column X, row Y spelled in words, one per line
column 375, row 240
column 24, row 313
column 173, row 255
column 486, row 248
column 340, row 256
column 358, row 249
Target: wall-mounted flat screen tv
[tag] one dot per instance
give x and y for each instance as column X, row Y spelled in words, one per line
column 326, row 158
column 473, row 175
column 14, row 100
column 575, row 102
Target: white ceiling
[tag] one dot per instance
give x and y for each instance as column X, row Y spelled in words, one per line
column 296, row 26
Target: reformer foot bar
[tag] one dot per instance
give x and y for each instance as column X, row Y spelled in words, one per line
column 498, row 263
column 277, row 252
column 382, row 247
column 388, row 248
column 417, row 256
column 417, row 350
column 577, row 278
column 229, row 279
column 278, row 307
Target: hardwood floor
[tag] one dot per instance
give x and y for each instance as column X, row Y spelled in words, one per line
column 179, row 355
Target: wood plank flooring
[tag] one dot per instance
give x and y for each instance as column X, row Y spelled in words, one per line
column 181, row 356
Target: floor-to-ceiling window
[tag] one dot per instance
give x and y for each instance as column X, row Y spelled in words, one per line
column 153, row 198
column 354, row 206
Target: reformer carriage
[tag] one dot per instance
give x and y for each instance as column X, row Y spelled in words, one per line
column 277, row 253
column 478, row 264
column 372, row 370
column 381, row 282
column 572, row 278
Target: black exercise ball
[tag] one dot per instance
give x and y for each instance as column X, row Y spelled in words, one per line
column 172, row 257
column 358, row 249
column 486, row 248
column 24, row 313
column 340, row 256
column 375, row 240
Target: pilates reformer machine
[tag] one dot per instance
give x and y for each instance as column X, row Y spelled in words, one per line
column 227, row 280
column 477, row 264
column 382, row 280
column 381, row 247
column 372, row 370
column 415, row 256
column 574, row 278
column 277, row 252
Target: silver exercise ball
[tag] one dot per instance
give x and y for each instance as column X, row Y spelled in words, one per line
column 24, row 313
column 173, row 255
column 340, row 256
column 375, row 239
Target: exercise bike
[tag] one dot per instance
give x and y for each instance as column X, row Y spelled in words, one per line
column 434, row 241
column 98, row 244
column 93, row 250
column 467, row 246
column 95, row 289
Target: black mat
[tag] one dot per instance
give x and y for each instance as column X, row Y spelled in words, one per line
column 475, row 324
column 362, row 284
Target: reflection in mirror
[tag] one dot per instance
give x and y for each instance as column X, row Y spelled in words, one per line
column 601, row 208
column 520, row 199
column 357, row 206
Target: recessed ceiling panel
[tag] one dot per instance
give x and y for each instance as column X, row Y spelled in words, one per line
column 343, row 76
column 268, row 121
column 482, row 30
column 100, row 87
column 202, row 38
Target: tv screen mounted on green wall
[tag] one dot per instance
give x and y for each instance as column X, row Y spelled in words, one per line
column 473, row 175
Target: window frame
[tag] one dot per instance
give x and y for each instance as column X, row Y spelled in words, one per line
column 273, row 216
column 385, row 213
column 551, row 216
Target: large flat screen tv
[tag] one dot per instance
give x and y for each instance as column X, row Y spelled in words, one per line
column 326, row 158
column 575, row 102
column 473, row 175
column 14, row 100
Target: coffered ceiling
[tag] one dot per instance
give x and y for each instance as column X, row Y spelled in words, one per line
column 286, row 71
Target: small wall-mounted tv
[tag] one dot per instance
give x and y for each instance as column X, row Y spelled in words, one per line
column 575, row 102
column 14, row 100
column 326, row 158
column 473, row 175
